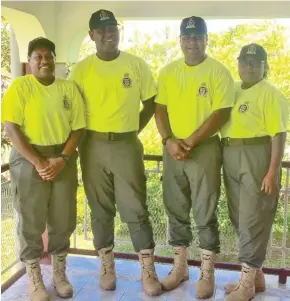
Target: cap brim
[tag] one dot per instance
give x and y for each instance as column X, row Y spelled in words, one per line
column 105, row 23
column 256, row 57
column 192, row 31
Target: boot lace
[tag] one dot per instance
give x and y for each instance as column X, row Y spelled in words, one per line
column 205, row 271
column 61, row 267
column 148, row 266
column 245, row 280
column 35, row 274
column 178, row 260
column 107, row 262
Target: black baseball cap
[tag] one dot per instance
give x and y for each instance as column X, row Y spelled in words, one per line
column 101, row 18
column 255, row 50
column 41, row 42
column 193, row 25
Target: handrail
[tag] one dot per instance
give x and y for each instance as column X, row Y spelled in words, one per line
column 286, row 164
column 156, row 158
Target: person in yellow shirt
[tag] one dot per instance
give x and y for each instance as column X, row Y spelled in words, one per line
column 44, row 118
column 195, row 96
column 113, row 84
column 253, row 146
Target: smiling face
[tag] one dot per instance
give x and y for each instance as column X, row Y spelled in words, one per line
column 251, row 69
column 193, row 45
column 106, row 38
column 42, row 63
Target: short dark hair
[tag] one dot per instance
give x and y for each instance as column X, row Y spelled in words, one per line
column 265, row 75
column 40, row 42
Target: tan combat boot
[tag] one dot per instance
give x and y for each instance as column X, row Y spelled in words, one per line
column 206, row 283
column 245, row 291
column 151, row 284
column 179, row 272
column 107, row 270
column 260, row 285
column 37, row 290
column 60, row 281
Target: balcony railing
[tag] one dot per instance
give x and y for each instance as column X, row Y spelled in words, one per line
column 278, row 253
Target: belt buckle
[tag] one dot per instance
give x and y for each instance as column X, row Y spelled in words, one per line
column 227, row 141
column 110, row 136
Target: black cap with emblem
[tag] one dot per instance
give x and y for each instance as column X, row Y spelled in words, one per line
column 193, row 25
column 102, row 18
column 40, row 42
column 255, row 50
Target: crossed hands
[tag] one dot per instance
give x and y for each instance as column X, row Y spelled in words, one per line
column 179, row 149
column 49, row 168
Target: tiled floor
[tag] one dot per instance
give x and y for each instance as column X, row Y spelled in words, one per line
column 83, row 274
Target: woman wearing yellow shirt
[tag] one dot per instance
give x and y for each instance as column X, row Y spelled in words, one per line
column 253, row 145
column 44, row 117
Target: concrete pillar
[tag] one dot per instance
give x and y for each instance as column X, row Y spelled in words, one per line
column 16, row 66
column 60, row 70
column 16, row 71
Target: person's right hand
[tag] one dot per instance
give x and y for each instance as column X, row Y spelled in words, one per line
column 177, row 149
column 40, row 165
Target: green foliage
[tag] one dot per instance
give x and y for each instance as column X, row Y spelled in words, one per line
column 5, row 69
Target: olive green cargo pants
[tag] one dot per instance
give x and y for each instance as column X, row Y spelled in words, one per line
column 39, row 203
column 194, row 183
column 113, row 175
column 251, row 211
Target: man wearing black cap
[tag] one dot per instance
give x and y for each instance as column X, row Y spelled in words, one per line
column 44, row 118
column 253, row 144
column 195, row 96
column 112, row 83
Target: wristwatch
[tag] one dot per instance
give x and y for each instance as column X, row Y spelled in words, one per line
column 64, row 157
column 164, row 140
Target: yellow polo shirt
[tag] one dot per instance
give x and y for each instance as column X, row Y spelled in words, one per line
column 193, row 93
column 46, row 114
column 259, row 111
column 112, row 91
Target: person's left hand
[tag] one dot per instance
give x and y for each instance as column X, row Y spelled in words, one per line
column 270, row 183
column 55, row 167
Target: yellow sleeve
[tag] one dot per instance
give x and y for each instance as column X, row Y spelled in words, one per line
column 78, row 119
column 13, row 105
column 161, row 97
column 276, row 114
column 224, row 90
column 148, row 86
column 76, row 75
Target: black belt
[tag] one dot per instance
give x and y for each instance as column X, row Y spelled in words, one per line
column 246, row 141
column 111, row 136
column 49, row 150
column 209, row 140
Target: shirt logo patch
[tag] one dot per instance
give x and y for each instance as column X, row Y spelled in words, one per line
column 127, row 81
column 104, row 16
column 243, row 108
column 190, row 23
column 66, row 104
column 202, row 91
